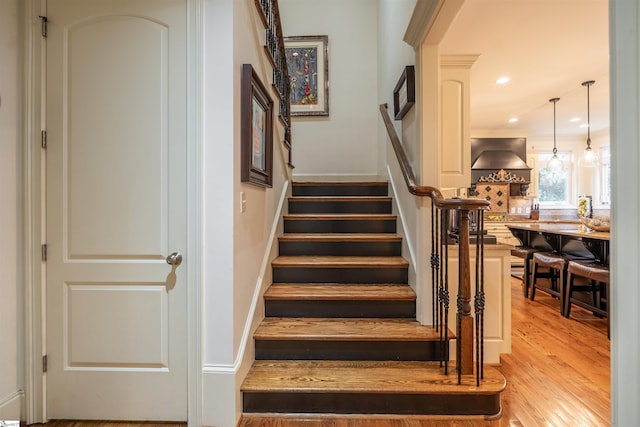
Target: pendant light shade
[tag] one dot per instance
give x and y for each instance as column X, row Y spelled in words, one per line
column 589, row 158
column 555, row 163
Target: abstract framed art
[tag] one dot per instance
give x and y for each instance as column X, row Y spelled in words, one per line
column 308, row 65
column 256, row 134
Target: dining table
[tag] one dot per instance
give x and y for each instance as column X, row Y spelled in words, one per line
column 571, row 240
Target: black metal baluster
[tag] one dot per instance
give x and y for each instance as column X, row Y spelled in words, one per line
column 445, row 286
column 434, row 285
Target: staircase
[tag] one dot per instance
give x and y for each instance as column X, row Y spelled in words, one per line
column 340, row 334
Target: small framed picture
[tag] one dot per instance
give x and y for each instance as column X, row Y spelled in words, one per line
column 256, row 134
column 404, row 94
column 308, row 65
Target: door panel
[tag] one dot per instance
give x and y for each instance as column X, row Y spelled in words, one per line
column 116, row 207
column 116, row 154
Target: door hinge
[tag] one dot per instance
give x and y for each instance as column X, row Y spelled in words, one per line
column 43, row 139
column 45, row 360
column 44, row 252
column 44, row 25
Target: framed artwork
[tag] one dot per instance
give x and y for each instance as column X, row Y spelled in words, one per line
column 308, row 65
column 404, row 94
column 256, row 134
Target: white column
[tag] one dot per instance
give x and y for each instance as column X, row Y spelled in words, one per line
column 624, row 17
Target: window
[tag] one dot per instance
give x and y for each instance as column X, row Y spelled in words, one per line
column 605, row 176
column 553, row 185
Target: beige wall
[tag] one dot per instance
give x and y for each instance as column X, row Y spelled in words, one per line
column 345, row 143
column 11, row 365
column 237, row 246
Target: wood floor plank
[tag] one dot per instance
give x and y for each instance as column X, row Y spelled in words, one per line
column 332, row 291
column 338, row 329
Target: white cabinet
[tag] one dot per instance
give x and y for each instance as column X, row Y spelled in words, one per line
column 497, row 288
column 502, row 233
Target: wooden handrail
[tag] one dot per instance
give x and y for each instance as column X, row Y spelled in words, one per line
column 410, row 179
column 439, row 263
column 405, row 166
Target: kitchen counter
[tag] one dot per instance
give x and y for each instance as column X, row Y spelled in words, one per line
column 566, row 229
column 571, row 240
column 520, row 218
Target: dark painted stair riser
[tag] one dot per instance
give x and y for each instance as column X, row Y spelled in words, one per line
column 345, row 308
column 373, row 403
column 340, row 275
column 340, row 190
column 339, row 225
column 315, row 206
column 340, row 248
column 349, row 350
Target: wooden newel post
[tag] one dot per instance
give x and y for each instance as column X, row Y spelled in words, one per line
column 464, row 339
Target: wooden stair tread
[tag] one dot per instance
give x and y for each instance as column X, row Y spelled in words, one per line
column 333, row 291
column 341, row 183
column 340, row 261
column 344, row 329
column 339, row 199
column 340, row 237
column 366, row 377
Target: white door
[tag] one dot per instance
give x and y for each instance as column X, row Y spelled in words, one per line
column 116, row 318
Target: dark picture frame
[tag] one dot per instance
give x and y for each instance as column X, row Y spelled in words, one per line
column 404, row 94
column 308, row 66
column 256, row 134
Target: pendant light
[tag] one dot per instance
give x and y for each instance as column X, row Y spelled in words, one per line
column 588, row 159
column 555, row 163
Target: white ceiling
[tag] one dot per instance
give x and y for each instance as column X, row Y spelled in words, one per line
column 547, row 48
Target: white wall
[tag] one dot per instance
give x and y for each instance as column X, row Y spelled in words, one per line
column 11, row 366
column 237, row 246
column 393, row 56
column 344, row 144
column 218, row 177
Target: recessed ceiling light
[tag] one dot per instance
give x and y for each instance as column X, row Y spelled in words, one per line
column 575, row 119
column 584, row 125
column 513, row 119
column 503, row 80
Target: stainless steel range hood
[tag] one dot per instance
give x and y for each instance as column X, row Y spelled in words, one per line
column 494, row 160
column 489, row 156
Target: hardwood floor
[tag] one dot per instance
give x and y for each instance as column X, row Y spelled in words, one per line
column 557, row 375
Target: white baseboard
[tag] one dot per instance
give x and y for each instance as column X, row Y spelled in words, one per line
column 11, row 406
column 219, row 396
